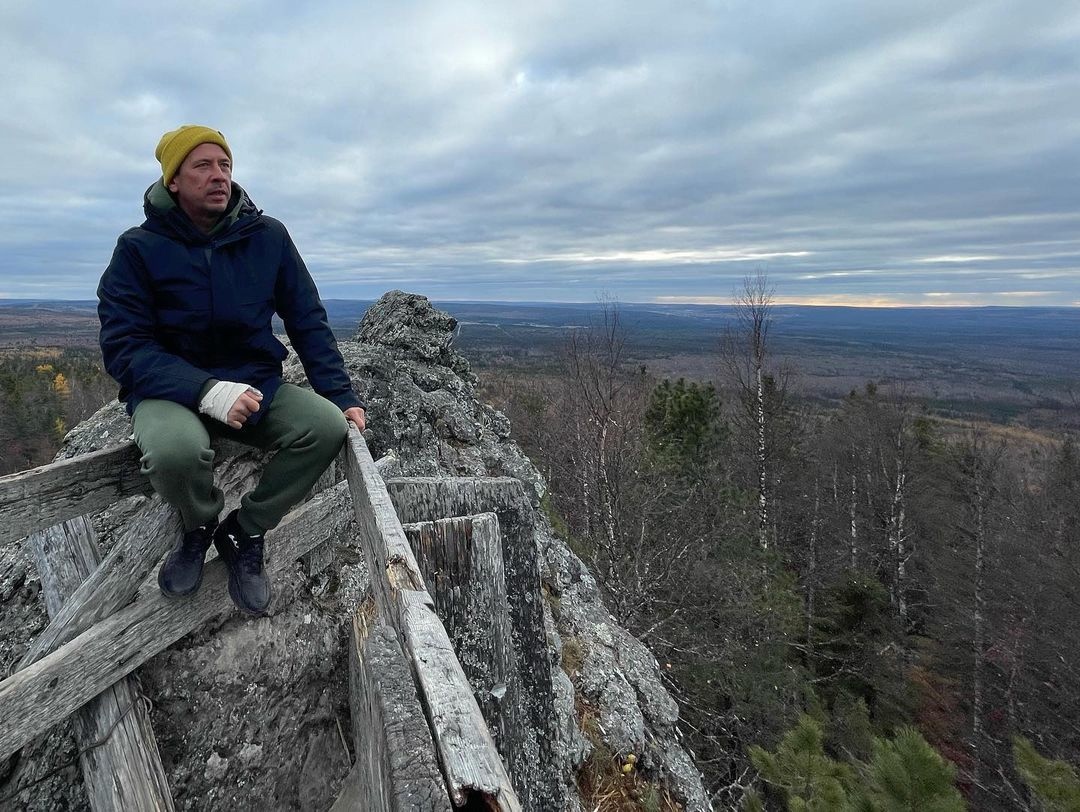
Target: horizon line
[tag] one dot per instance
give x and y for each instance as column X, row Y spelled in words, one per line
column 868, row 305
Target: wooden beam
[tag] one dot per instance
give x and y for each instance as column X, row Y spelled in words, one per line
column 395, row 770
column 462, row 562
column 113, row 584
column 123, row 571
column 124, row 772
column 39, row 696
column 321, row 557
column 530, row 700
column 423, row 498
column 41, row 497
column 471, row 765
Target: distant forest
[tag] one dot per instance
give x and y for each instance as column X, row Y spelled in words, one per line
column 859, row 604
column 44, row 392
column 853, row 544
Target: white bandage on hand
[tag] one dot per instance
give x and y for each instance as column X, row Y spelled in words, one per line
column 221, row 397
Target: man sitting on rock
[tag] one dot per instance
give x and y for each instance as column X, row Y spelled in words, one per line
column 186, row 307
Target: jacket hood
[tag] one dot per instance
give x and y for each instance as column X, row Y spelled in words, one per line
column 164, row 215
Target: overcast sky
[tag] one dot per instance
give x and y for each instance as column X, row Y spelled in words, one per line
column 857, row 152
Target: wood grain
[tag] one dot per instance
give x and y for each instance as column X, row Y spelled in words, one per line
column 41, row 497
column 530, row 701
column 470, row 763
column 396, row 768
column 62, row 681
column 124, row 772
column 461, row 561
column 113, row 584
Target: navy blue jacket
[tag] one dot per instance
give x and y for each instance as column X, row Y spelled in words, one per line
column 179, row 308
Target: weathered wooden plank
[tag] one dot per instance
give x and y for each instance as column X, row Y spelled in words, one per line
column 77, row 553
column 462, row 739
column 113, row 584
column 471, row 765
column 321, row 557
column 124, row 772
column 425, row 498
column 395, row 768
column 59, row 683
column 533, row 764
column 44, row 496
column 462, row 563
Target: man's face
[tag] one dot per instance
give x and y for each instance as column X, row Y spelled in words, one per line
column 203, row 184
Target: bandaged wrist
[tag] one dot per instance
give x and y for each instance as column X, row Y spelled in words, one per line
column 221, row 397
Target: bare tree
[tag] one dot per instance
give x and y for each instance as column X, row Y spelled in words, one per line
column 744, row 355
column 978, row 483
column 595, row 360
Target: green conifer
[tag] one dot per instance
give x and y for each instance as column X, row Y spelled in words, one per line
column 908, row 775
column 809, row 780
column 1054, row 783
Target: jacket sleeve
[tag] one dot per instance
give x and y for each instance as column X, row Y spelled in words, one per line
column 297, row 302
column 132, row 354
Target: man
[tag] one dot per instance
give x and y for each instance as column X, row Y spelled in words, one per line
column 186, row 307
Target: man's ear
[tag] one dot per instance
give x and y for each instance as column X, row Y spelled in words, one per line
column 172, row 187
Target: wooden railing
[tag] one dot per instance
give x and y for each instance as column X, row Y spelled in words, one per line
column 423, row 740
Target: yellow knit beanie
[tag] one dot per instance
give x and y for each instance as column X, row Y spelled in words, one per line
column 175, row 145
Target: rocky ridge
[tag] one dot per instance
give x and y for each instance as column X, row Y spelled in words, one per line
column 252, row 712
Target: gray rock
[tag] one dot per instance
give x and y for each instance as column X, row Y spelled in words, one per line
column 108, row 426
column 216, row 768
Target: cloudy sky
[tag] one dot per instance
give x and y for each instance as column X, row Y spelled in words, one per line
column 858, row 152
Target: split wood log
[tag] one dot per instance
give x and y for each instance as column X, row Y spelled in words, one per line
column 124, row 771
column 470, row 762
column 49, row 690
column 396, row 770
column 113, row 584
column 461, row 560
column 41, row 497
column 530, row 699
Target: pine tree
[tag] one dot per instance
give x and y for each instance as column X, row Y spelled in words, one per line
column 809, row 780
column 908, row 775
column 1054, row 783
column 683, row 423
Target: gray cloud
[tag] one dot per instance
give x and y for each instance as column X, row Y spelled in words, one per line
column 918, row 153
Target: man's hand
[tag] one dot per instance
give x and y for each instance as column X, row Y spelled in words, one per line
column 243, row 408
column 231, row 403
column 356, row 416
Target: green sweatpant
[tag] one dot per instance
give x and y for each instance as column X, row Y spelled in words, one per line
column 304, row 429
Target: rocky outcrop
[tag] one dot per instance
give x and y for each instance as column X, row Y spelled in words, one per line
column 253, row 712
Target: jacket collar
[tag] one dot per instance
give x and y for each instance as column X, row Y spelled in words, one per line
column 164, row 216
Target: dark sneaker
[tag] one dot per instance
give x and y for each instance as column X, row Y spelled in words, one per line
column 243, row 555
column 181, row 574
